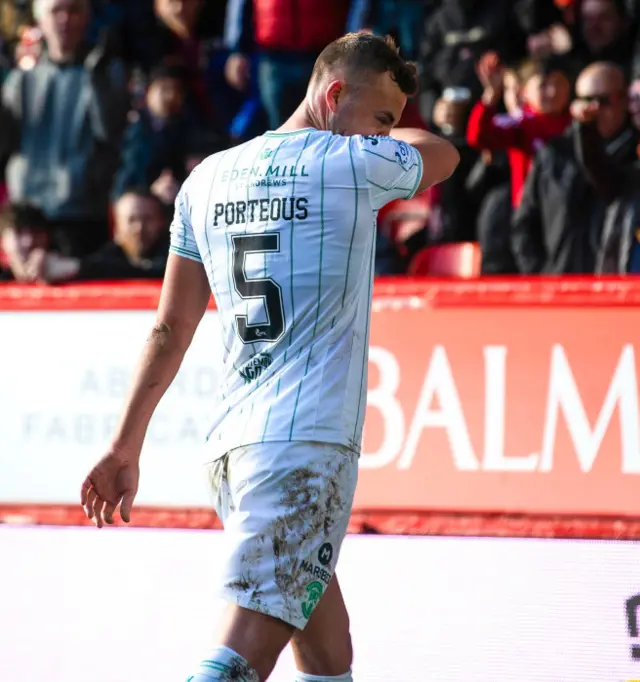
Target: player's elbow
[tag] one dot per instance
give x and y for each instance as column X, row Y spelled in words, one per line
column 170, row 338
column 450, row 159
column 439, row 164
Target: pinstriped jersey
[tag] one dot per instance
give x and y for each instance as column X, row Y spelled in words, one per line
column 285, row 228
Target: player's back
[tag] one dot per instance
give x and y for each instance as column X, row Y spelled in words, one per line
column 285, row 228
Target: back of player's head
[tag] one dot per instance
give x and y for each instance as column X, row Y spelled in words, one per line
column 355, row 55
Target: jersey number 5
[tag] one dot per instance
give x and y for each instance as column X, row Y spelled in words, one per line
column 265, row 288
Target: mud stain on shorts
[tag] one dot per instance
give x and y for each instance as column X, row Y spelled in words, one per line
column 248, row 582
column 315, row 505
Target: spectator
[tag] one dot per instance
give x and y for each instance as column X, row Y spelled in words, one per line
column 513, row 84
column 123, row 20
column 29, row 48
column 454, row 210
column 14, row 16
column 603, row 33
column 558, row 225
column 546, row 95
column 403, row 19
column 490, row 180
column 25, row 238
column 61, row 124
column 12, row 21
column 458, row 33
column 494, row 230
column 286, row 38
column 557, row 38
column 155, row 140
column 138, row 251
column 201, row 145
column 107, row 16
column 617, row 183
column 180, row 39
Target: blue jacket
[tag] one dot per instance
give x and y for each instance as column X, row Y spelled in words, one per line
column 148, row 149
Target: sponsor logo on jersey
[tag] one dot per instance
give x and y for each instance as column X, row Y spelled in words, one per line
column 256, row 172
column 254, row 368
column 403, row 155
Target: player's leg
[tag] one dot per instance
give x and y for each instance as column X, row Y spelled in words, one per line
column 249, row 642
column 285, row 509
column 249, row 646
column 323, row 650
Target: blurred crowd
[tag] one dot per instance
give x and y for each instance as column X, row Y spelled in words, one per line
column 107, row 105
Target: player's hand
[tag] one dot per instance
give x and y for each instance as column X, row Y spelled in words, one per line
column 113, row 481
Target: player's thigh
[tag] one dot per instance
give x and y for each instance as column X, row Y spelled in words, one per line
column 324, row 648
column 285, row 519
column 251, row 625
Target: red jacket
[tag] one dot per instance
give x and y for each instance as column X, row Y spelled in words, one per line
column 299, row 25
column 520, row 136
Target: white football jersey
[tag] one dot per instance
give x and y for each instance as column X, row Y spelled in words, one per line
column 285, row 227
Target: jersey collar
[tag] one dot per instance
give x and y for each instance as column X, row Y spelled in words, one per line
column 289, row 133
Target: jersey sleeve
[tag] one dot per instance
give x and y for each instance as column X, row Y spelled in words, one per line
column 393, row 169
column 183, row 241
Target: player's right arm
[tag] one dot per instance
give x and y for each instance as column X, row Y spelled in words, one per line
column 406, row 164
column 183, row 302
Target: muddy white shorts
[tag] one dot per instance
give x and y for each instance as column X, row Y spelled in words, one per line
column 285, row 509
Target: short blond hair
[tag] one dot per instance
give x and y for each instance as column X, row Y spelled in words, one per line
column 524, row 70
column 362, row 52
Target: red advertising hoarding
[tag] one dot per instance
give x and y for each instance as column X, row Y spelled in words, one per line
column 495, row 396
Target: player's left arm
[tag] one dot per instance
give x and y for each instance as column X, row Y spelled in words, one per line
column 438, row 157
column 113, row 481
column 404, row 165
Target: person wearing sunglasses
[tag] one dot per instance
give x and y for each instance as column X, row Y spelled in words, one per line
column 592, row 113
column 616, row 181
column 558, row 226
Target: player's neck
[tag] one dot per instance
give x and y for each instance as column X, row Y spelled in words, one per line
column 303, row 117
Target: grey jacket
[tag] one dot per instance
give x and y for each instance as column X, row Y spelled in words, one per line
column 616, row 179
column 61, row 127
column 621, row 226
